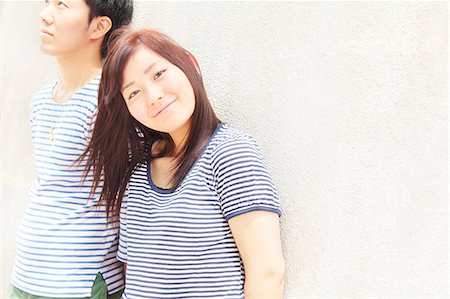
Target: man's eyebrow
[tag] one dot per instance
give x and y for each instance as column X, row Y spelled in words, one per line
column 145, row 72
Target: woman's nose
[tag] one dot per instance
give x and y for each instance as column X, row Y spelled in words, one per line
column 155, row 93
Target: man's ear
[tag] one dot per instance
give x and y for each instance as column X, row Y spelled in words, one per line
column 100, row 26
column 194, row 61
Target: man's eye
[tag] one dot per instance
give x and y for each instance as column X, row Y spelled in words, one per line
column 159, row 74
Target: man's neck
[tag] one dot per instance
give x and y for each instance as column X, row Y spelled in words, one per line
column 77, row 69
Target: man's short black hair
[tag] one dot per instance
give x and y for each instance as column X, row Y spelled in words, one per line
column 119, row 11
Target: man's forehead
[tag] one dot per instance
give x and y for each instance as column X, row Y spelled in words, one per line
column 76, row 3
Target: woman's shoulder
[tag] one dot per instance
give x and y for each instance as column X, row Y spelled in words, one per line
column 231, row 141
column 227, row 135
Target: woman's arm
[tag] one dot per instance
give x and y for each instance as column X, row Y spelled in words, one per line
column 257, row 235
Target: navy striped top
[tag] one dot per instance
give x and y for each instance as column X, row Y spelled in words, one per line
column 179, row 244
column 63, row 240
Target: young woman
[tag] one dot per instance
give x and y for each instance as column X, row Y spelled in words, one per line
column 201, row 215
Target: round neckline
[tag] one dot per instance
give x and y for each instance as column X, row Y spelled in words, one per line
column 172, row 190
column 73, row 94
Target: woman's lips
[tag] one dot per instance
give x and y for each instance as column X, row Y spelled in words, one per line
column 164, row 108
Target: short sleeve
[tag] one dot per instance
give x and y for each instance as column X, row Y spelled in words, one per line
column 122, row 253
column 242, row 178
column 38, row 99
column 31, row 114
column 33, row 108
column 90, row 123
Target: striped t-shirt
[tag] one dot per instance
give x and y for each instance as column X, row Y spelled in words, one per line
column 179, row 244
column 63, row 240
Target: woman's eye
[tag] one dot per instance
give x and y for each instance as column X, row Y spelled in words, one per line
column 159, row 74
column 61, row 3
column 133, row 94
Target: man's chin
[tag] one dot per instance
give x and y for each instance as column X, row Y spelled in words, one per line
column 46, row 50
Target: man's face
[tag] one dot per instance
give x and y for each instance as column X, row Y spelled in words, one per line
column 64, row 27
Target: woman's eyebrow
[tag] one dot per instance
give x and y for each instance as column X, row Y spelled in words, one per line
column 145, row 72
column 150, row 67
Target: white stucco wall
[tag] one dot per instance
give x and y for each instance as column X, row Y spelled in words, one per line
column 348, row 101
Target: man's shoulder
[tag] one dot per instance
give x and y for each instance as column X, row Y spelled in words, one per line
column 86, row 98
column 44, row 93
column 47, row 88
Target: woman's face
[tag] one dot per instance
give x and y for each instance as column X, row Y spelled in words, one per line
column 157, row 93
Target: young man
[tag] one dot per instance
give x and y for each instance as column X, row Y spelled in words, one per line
column 66, row 248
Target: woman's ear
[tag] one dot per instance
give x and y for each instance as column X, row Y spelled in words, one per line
column 194, row 61
column 100, row 26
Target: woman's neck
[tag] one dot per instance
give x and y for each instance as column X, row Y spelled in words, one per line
column 179, row 138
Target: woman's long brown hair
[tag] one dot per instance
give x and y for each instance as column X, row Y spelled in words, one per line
column 119, row 142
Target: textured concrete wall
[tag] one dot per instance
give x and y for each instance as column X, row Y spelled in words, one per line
column 348, row 101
